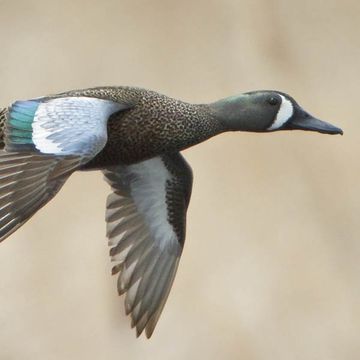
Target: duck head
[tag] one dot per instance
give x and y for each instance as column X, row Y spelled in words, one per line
column 266, row 111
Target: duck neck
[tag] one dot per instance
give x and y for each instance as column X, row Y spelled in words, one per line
column 197, row 124
column 233, row 114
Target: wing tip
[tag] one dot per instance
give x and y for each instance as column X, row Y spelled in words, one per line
column 149, row 330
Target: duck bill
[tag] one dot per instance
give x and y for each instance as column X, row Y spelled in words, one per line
column 307, row 122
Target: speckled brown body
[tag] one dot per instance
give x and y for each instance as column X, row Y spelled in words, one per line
column 154, row 124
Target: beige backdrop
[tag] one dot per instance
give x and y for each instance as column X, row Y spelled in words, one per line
column 270, row 269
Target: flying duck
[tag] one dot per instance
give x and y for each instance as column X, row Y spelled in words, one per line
column 134, row 136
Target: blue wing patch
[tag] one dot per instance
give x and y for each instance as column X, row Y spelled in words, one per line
column 60, row 126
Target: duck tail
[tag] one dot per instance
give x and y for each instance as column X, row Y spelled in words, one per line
column 27, row 183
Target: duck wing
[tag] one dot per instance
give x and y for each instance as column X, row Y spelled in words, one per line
column 45, row 141
column 74, row 125
column 146, row 221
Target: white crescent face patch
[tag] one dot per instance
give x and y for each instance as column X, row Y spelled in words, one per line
column 285, row 112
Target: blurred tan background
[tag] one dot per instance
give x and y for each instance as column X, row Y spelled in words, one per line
column 270, row 269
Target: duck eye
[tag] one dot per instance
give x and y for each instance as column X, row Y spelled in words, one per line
column 273, row 100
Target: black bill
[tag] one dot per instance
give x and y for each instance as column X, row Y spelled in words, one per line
column 304, row 121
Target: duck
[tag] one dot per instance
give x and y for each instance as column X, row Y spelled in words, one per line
column 135, row 137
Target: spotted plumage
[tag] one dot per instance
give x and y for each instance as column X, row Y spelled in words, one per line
column 3, row 115
column 134, row 136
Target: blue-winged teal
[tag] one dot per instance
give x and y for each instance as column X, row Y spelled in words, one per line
column 134, row 136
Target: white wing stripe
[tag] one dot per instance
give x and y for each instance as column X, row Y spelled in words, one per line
column 150, row 198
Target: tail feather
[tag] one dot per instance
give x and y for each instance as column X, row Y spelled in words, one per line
column 27, row 183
